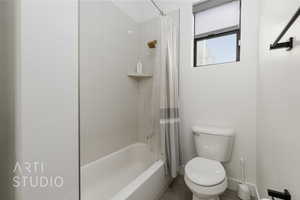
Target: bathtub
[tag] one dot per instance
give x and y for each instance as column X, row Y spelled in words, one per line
column 130, row 173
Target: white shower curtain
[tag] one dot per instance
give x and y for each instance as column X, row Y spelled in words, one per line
column 166, row 97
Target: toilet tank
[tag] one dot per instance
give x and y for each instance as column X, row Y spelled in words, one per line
column 214, row 143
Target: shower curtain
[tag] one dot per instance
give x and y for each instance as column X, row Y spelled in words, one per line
column 166, row 97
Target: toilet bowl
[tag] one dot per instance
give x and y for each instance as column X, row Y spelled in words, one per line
column 205, row 178
column 205, row 175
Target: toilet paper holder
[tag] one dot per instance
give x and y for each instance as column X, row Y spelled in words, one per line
column 285, row 195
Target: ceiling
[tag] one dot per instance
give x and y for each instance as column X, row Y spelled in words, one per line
column 143, row 10
column 140, row 11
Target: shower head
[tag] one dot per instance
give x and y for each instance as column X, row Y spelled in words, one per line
column 152, row 44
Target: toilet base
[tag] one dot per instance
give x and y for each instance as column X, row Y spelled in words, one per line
column 210, row 198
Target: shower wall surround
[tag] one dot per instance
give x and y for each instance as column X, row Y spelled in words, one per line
column 149, row 30
column 109, row 47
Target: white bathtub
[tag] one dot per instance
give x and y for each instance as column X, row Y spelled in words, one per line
column 131, row 173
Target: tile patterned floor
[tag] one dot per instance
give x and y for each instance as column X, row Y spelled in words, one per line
column 179, row 191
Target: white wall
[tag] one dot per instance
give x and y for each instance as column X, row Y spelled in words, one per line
column 222, row 95
column 47, row 95
column 7, row 96
column 109, row 50
column 278, row 106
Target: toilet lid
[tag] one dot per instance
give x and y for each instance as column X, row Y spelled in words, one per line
column 205, row 172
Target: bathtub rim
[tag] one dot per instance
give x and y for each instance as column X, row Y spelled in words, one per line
column 138, row 181
column 113, row 154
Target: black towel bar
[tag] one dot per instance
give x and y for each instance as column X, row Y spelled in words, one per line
column 289, row 44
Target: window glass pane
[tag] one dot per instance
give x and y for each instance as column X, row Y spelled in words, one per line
column 224, row 16
column 217, row 50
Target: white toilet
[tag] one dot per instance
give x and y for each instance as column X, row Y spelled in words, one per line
column 205, row 175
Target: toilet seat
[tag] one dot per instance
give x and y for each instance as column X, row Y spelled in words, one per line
column 206, row 193
column 204, row 172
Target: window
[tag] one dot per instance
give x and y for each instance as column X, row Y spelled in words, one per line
column 216, row 32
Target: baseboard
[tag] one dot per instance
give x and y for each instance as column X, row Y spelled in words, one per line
column 233, row 185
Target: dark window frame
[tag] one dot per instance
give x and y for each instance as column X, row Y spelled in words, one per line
column 216, row 34
column 232, row 32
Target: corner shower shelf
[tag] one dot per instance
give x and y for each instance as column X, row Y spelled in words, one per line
column 139, row 76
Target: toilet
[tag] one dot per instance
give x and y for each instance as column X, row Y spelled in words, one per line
column 205, row 175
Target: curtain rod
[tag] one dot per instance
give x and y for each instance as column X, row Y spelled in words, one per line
column 158, row 8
